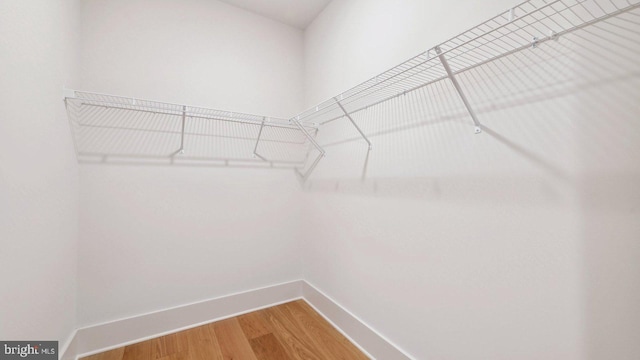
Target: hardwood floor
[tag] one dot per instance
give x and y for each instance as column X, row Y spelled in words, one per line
column 292, row 331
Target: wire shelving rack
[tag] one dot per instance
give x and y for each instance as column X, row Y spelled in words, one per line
column 116, row 129
column 108, row 127
column 522, row 27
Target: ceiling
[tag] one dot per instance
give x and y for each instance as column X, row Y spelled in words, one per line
column 297, row 13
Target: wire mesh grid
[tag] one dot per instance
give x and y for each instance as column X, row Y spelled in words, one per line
column 582, row 59
column 526, row 25
column 113, row 128
column 538, row 85
column 488, row 60
column 579, row 60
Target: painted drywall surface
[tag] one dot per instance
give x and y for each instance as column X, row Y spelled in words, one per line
column 610, row 218
column 368, row 37
column 154, row 237
column 38, row 171
column 157, row 237
column 197, row 52
column 517, row 243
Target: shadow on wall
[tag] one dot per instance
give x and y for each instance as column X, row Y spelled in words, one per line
column 112, row 130
column 561, row 122
column 529, row 103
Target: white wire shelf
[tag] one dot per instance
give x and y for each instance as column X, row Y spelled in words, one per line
column 527, row 25
column 109, row 128
column 487, row 63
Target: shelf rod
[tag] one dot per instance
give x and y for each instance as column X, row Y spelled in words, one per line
column 289, row 164
column 255, row 149
column 86, row 102
column 453, row 79
column 353, row 123
column 69, row 92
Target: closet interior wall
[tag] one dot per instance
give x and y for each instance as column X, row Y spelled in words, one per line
column 519, row 242
column 155, row 236
column 513, row 243
column 38, row 170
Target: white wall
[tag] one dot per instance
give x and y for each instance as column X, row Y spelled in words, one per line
column 154, row 237
column 38, row 171
column 519, row 243
column 377, row 35
column 198, row 52
column 610, row 217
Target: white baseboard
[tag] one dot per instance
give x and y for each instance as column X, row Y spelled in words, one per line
column 371, row 342
column 106, row 336
column 68, row 349
column 111, row 335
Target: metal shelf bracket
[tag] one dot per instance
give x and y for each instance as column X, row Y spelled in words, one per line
column 313, row 141
column 255, row 148
column 68, row 93
column 322, row 153
column 354, row 123
column 453, row 79
column 184, row 120
column 305, row 176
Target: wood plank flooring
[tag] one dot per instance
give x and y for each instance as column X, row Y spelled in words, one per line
column 292, row 331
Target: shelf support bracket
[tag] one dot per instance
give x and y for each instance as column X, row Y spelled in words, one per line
column 353, row 122
column 453, row 79
column 315, row 144
column 313, row 141
column 255, row 149
column 305, row 176
column 184, row 119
